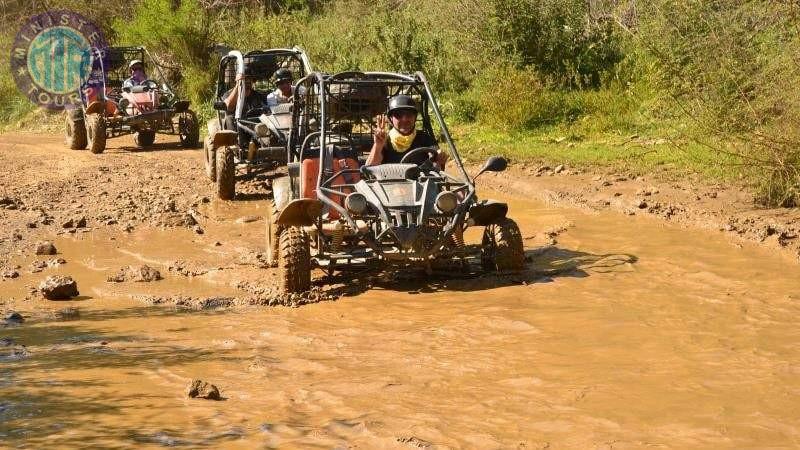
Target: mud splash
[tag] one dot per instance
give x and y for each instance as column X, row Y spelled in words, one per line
column 623, row 332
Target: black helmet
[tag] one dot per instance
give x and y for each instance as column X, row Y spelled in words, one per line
column 400, row 103
column 283, row 75
column 135, row 62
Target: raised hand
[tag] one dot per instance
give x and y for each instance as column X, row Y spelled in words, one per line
column 379, row 131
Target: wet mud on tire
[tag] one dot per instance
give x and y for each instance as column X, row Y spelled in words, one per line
column 294, row 261
column 144, row 138
column 75, row 130
column 96, row 132
column 501, row 247
column 226, row 173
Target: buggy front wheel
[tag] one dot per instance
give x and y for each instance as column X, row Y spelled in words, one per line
column 501, row 248
column 144, row 138
column 273, row 234
column 96, row 132
column 189, row 130
column 74, row 129
column 226, row 173
column 294, row 261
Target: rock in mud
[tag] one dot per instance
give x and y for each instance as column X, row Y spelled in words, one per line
column 59, row 288
column 68, row 314
column 141, row 274
column 14, row 317
column 177, row 220
column 10, row 274
column 201, row 389
column 46, row 248
column 248, row 219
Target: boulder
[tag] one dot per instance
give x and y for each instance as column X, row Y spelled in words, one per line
column 59, row 288
column 137, row 274
column 14, row 317
column 201, row 389
column 46, row 248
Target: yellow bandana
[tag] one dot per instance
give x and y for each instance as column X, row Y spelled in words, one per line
column 400, row 142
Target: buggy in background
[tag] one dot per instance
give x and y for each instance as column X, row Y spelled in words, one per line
column 142, row 108
column 247, row 140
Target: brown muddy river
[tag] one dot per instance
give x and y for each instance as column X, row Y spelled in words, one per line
column 627, row 333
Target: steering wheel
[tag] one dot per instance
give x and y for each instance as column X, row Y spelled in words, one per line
column 151, row 84
column 254, row 112
column 432, row 152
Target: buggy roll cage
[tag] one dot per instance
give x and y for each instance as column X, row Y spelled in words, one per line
column 296, row 52
column 138, row 52
column 302, row 137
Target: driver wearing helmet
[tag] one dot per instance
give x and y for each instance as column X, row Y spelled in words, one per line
column 284, row 91
column 402, row 137
column 253, row 98
column 138, row 76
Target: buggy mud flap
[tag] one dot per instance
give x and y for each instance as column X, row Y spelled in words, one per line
column 300, row 212
column 487, row 212
column 95, row 107
column 224, row 138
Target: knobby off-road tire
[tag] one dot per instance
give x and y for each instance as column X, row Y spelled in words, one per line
column 273, row 234
column 189, row 130
column 226, row 171
column 502, row 247
column 96, row 132
column 74, row 129
column 144, row 138
column 294, row 261
column 211, row 160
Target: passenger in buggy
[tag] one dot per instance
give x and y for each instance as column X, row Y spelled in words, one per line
column 284, row 91
column 138, row 75
column 253, row 98
column 390, row 147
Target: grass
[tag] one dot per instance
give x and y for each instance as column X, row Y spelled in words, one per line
column 656, row 152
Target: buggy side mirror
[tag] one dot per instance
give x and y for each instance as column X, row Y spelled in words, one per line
column 493, row 164
column 220, row 106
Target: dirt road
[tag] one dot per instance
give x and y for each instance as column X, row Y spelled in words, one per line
column 624, row 331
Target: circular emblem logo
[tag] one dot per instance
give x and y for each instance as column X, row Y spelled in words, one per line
column 56, row 57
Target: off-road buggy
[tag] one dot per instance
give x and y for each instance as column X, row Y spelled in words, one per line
column 254, row 140
column 334, row 213
column 110, row 110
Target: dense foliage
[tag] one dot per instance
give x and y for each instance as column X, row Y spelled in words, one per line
column 723, row 73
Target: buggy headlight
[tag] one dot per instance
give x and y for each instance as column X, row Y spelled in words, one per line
column 262, row 130
column 446, row 201
column 356, row 203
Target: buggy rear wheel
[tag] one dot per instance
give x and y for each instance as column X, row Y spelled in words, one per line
column 74, row 129
column 273, row 234
column 189, row 130
column 294, row 261
column 501, row 248
column 95, row 132
column 211, row 160
column 226, row 171
column 144, row 138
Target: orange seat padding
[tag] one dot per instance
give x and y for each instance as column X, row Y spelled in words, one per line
column 310, row 171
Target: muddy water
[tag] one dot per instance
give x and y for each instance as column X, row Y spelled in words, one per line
column 625, row 333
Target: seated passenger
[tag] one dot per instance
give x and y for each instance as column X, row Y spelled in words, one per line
column 253, row 99
column 136, row 68
column 284, row 91
column 402, row 137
